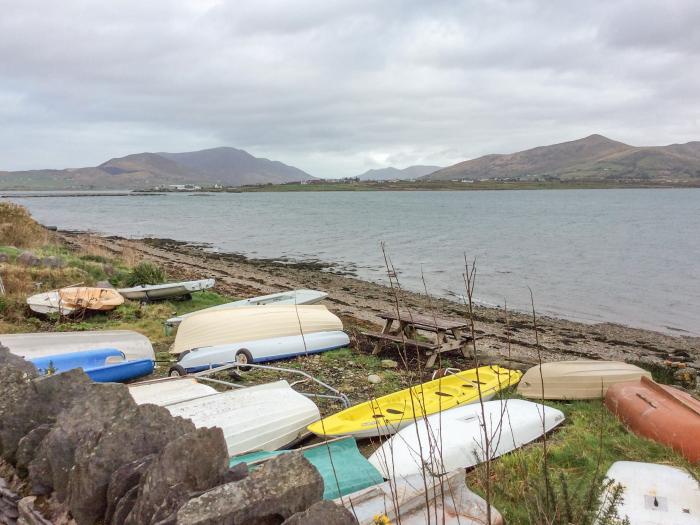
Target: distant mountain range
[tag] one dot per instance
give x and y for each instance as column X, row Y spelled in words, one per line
column 225, row 166
column 594, row 157
column 412, row 172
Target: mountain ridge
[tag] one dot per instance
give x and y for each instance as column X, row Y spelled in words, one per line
column 224, row 165
column 392, row 173
column 592, row 157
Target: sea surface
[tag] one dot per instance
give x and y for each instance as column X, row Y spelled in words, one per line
column 626, row 256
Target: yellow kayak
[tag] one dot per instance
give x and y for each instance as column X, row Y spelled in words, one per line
column 388, row 414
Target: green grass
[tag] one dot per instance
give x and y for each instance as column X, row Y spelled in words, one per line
column 574, row 452
column 10, row 251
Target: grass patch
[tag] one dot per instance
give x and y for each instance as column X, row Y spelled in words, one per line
column 574, row 452
column 17, row 228
column 145, row 273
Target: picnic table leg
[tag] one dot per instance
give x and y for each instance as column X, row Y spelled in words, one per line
column 465, row 345
column 431, row 359
column 378, row 344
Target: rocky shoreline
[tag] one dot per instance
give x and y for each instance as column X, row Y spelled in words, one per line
column 359, row 302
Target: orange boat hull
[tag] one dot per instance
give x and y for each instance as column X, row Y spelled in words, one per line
column 659, row 412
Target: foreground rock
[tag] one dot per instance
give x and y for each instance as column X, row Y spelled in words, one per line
column 137, row 432
column 185, row 468
column 284, row 486
column 323, row 513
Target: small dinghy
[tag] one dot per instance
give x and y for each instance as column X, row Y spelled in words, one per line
column 292, row 297
column 49, row 303
column 263, row 417
column 447, row 501
column 388, row 414
column 260, row 351
column 102, row 365
column 88, row 298
column 654, row 494
column 234, row 325
column 152, row 292
column 343, row 469
column 132, row 344
column 454, row 439
column 583, row 379
column 659, row 412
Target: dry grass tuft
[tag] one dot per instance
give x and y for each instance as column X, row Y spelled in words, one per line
column 17, row 228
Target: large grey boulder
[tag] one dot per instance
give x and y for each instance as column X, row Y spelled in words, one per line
column 187, row 466
column 284, row 486
column 138, row 431
column 28, row 259
column 28, row 446
column 86, row 418
column 10, row 360
column 122, row 481
column 323, row 513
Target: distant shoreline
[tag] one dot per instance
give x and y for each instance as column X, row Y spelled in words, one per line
column 363, row 186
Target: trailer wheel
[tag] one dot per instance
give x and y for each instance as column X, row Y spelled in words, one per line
column 177, row 371
column 244, row 357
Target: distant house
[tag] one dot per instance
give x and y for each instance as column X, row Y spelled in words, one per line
column 184, row 187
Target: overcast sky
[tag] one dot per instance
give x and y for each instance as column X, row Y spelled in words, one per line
column 338, row 87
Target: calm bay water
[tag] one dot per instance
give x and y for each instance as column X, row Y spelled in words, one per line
column 626, row 256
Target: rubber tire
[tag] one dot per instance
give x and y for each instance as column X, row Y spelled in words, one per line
column 177, row 371
column 248, row 359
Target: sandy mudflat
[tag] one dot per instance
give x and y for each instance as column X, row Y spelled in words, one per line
column 358, row 302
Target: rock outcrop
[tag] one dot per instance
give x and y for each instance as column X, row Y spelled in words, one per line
column 323, row 513
column 284, row 486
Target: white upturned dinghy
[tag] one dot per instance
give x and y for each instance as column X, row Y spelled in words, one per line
column 263, row 417
column 49, row 303
column 447, row 501
column 169, row 391
column 134, row 345
column 234, row 325
column 292, row 297
column 454, row 438
column 164, row 291
column 654, row 494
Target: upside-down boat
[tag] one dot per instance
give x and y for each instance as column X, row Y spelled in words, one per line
column 443, row 442
column 653, row 494
column 102, row 365
column 659, row 412
column 447, row 501
column 582, row 379
column 388, row 414
column 90, row 298
column 298, row 297
column 151, row 292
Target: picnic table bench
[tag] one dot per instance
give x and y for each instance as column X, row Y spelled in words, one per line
column 448, row 335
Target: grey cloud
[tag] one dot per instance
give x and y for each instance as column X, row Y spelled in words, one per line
column 337, row 87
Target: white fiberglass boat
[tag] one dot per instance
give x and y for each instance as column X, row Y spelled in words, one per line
column 164, row 291
column 32, row 345
column 292, row 297
column 168, row 391
column 454, row 438
column 263, row 417
column 234, row 325
column 447, row 501
column 48, row 303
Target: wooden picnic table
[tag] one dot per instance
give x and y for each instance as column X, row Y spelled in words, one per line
column 448, row 334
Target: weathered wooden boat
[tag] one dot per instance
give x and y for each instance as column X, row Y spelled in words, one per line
column 659, row 412
column 153, row 292
column 167, row 391
column 90, row 298
column 234, row 325
column 262, row 417
column 582, row 379
column 455, row 439
column 447, row 501
column 292, row 297
column 49, row 303
column 388, row 414
column 343, row 469
column 133, row 344
column 258, row 351
column 654, row 494
column 102, row 365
